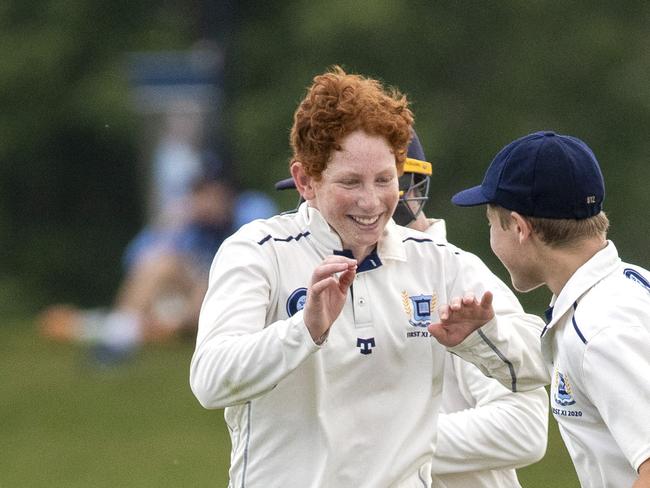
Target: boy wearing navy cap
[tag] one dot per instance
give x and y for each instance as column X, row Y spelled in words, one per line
column 544, row 194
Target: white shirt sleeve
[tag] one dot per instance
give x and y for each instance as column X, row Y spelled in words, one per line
column 238, row 356
column 507, row 348
column 500, row 430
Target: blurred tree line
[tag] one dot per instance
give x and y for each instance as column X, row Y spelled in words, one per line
column 479, row 74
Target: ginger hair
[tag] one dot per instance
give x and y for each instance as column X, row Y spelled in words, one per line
column 338, row 103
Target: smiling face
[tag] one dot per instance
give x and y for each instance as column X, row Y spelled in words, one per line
column 357, row 192
column 514, row 252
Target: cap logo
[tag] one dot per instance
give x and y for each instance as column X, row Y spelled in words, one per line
column 591, row 199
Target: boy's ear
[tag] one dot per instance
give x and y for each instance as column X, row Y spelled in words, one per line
column 522, row 226
column 304, row 182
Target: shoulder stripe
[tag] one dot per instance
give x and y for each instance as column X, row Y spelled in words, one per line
column 414, row 239
column 575, row 324
column 285, row 239
column 637, row 277
column 511, row 368
column 417, row 240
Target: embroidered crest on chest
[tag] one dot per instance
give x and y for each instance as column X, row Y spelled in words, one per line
column 418, row 308
column 563, row 396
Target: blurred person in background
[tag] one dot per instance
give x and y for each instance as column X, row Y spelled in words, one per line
column 315, row 332
column 485, row 431
column 177, row 162
column 166, row 270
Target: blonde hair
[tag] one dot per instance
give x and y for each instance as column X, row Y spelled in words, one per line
column 558, row 232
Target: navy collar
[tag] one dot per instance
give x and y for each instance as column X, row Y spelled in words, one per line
column 548, row 314
column 371, row 261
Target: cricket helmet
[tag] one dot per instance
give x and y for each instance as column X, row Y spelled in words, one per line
column 413, row 184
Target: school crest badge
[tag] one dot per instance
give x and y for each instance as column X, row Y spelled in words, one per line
column 563, row 395
column 419, row 308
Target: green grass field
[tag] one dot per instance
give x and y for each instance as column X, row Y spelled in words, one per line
column 65, row 422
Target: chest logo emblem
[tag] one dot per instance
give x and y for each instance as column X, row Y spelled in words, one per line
column 418, row 308
column 563, row 395
column 365, row 345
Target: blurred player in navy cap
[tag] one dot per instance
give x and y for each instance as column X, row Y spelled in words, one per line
column 544, row 194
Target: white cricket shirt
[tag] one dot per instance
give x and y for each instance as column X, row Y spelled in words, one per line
column 360, row 410
column 597, row 347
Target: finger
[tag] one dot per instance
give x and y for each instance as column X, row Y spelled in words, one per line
column 437, row 331
column 334, row 258
column 469, row 298
column 455, row 303
column 330, row 269
column 486, row 299
column 443, row 312
column 347, row 277
column 318, row 287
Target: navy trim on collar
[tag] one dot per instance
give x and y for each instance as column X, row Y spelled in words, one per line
column 548, row 314
column 371, row 261
column 575, row 324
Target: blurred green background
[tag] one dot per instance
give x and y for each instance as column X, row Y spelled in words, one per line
column 73, row 158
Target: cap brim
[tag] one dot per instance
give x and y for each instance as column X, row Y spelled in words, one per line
column 286, row 184
column 470, row 197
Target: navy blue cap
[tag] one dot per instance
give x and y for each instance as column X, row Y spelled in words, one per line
column 414, row 151
column 285, row 184
column 543, row 174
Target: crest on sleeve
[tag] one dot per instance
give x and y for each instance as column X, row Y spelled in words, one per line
column 296, row 301
column 419, row 308
column 637, row 277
